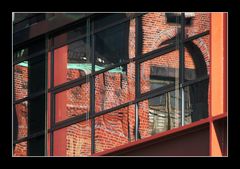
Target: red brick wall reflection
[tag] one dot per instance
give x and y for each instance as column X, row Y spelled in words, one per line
column 113, row 89
column 21, row 91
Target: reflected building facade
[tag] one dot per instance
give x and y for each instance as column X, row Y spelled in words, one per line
column 109, row 80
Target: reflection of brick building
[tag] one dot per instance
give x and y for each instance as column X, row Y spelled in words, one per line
column 21, row 82
column 117, row 87
column 113, row 89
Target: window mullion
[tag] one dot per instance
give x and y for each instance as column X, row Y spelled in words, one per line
column 90, row 48
column 52, row 104
column 182, row 66
column 138, row 53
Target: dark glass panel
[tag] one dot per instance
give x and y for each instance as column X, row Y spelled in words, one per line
column 111, row 46
column 36, row 116
column 105, row 19
column 36, row 74
column 36, row 146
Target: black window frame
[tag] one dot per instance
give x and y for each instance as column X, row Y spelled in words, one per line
column 138, row 59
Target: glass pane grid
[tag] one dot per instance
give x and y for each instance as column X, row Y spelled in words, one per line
column 116, row 86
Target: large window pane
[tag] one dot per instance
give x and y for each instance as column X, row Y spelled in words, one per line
column 111, row 46
column 159, row 72
column 20, row 149
column 197, row 58
column 74, row 140
column 72, row 102
column 157, row 30
column 20, row 120
column 115, row 87
column 115, row 128
column 159, row 114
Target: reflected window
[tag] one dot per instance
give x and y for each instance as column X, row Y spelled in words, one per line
column 160, row 71
column 160, row 114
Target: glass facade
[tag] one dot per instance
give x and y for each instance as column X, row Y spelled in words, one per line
column 110, row 80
